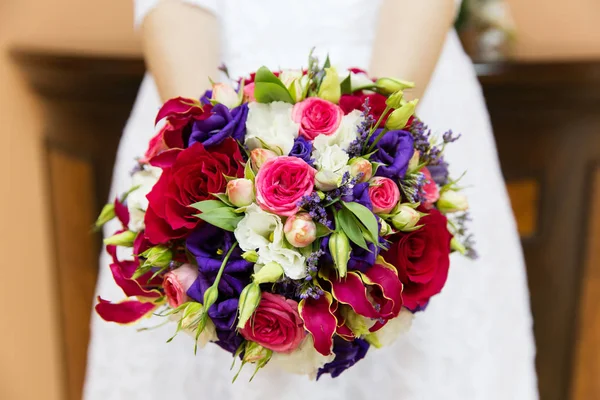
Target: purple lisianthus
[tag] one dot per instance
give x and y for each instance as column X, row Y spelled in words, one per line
column 208, row 244
column 394, row 151
column 302, row 149
column 221, row 124
column 360, row 194
column 205, row 99
column 346, row 355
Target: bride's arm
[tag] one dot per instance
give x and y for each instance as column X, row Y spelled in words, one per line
column 409, row 40
column 181, row 48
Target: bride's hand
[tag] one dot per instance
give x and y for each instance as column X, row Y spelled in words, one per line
column 409, row 40
column 181, row 48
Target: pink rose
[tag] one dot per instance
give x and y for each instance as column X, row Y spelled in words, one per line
column 281, row 183
column 259, row 156
column 300, row 230
column 317, row 117
column 431, row 193
column 249, row 92
column 177, row 282
column 384, row 194
column 276, row 324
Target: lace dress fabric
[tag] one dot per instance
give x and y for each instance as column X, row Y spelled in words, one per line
column 475, row 339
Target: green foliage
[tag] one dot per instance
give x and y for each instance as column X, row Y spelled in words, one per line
column 268, row 88
column 218, row 213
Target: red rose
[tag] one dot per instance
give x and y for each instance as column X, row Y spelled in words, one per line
column 422, row 258
column 195, row 174
column 276, row 324
column 350, row 102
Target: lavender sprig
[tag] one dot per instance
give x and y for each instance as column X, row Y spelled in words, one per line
column 364, row 128
column 312, row 204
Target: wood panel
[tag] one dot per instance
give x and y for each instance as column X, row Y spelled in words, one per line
column 71, row 183
column 524, row 197
column 586, row 372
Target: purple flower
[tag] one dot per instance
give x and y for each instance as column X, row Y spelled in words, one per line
column 439, row 172
column 360, row 194
column 394, row 151
column 208, row 244
column 205, row 99
column 346, row 355
column 302, row 149
column 222, row 123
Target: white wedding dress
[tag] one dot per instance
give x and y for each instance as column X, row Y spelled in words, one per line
column 475, row 339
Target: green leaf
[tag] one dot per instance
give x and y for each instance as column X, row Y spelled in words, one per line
column 322, row 230
column 224, row 218
column 224, row 198
column 351, row 227
column 346, row 85
column 208, row 205
column 366, row 217
column 248, row 172
column 327, row 62
column 268, row 88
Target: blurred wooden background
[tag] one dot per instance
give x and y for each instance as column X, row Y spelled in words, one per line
column 58, row 166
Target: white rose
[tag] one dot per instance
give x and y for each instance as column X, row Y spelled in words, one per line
column 332, row 164
column 304, row 361
column 395, row 327
column 137, row 203
column 346, row 133
column 271, row 125
column 292, row 262
column 255, row 229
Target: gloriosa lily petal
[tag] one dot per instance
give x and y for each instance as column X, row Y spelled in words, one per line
column 125, row 312
column 319, row 321
column 352, row 291
column 178, row 107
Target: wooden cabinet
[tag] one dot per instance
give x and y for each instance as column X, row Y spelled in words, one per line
column 547, row 126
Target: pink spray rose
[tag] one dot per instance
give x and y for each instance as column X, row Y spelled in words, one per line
column 177, row 282
column 281, row 182
column 431, row 193
column 317, row 117
column 276, row 324
column 249, row 92
column 300, row 230
column 384, row 194
column 259, row 156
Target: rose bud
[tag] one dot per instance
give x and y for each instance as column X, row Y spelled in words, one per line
column 399, row 117
column 406, row 219
column 327, row 180
column 330, row 88
column 249, row 92
column 413, row 164
column 294, row 80
column 384, row 194
column 268, row 273
column 255, row 353
column 361, row 166
column 177, row 282
column 385, row 229
column 124, row 239
column 226, row 95
column 452, row 201
column 339, row 247
column 158, row 256
column 240, row 192
column 300, row 230
column 249, row 299
column 259, row 156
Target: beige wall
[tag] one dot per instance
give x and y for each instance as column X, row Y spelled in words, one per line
column 29, row 339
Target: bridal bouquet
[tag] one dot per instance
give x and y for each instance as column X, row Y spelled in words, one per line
column 295, row 218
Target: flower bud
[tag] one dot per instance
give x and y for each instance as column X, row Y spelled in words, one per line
column 361, row 166
column 250, row 256
column 158, row 256
column 358, row 324
column 226, row 95
column 268, row 273
column 406, row 219
column 456, row 245
column 413, row 164
column 300, row 230
column 124, row 239
column 327, row 180
column 210, row 296
column 339, row 247
column 295, row 82
column 249, row 299
column 391, row 85
column 385, row 228
column 259, row 156
column 254, row 353
column 330, row 88
column 240, row 192
column 452, row 201
column 395, row 100
column 107, row 213
column 399, row 117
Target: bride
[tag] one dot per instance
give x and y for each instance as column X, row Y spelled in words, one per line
column 475, row 340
